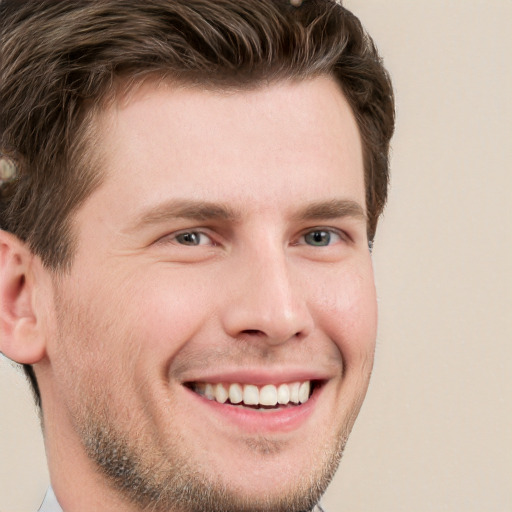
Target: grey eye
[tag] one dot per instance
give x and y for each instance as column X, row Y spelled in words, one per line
column 189, row 238
column 318, row 238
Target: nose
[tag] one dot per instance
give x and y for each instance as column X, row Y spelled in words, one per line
column 265, row 301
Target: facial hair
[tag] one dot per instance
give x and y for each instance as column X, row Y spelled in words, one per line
column 154, row 472
column 176, row 486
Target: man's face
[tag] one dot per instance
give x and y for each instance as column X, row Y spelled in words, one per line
column 224, row 255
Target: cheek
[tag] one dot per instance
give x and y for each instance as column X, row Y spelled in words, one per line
column 346, row 311
column 166, row 311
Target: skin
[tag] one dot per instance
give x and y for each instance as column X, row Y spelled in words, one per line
column 141, row 312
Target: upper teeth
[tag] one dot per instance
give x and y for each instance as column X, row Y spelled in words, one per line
column 249, row 394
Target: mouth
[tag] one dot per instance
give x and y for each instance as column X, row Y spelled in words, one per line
column 268, row 396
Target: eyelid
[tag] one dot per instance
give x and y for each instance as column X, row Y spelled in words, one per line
column 171, row 237
column 342, row 234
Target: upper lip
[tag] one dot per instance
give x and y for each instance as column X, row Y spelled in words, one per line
column 261, row 377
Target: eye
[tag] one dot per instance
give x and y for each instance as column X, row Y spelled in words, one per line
column 193, row 238
column 321, row 238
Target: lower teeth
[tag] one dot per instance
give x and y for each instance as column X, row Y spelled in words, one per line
column 268, row 407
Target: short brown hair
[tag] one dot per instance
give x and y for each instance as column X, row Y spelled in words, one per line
column 60, row 60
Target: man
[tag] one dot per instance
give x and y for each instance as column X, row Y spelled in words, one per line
column 192, row 192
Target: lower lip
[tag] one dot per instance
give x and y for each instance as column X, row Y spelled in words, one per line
column 285, row 419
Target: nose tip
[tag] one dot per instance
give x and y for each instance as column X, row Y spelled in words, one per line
column 268, row 306
column 274, row 329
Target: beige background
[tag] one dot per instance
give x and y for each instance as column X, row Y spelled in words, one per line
column 435, row 433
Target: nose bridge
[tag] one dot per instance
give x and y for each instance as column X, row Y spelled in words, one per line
column 266, row 298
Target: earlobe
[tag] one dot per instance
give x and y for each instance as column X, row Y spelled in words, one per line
column 21, row 335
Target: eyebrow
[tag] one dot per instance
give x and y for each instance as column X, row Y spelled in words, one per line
column 203, row 211
column 333, row 209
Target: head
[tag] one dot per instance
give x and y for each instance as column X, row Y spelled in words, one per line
column 77, row 79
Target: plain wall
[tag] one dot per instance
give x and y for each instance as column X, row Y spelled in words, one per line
column 435, row 433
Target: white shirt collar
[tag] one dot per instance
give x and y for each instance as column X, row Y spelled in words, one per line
column 50, row 503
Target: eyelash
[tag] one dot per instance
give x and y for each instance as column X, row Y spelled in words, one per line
column 341, row 235
column 173, row 238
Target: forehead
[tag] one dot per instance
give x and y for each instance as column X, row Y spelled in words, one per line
column 232, row 145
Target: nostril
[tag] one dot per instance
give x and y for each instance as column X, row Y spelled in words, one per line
column 252, row 332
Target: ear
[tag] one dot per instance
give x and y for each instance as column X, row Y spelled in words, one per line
column 21, row 335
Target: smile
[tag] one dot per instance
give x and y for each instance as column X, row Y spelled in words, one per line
column 254, row 396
